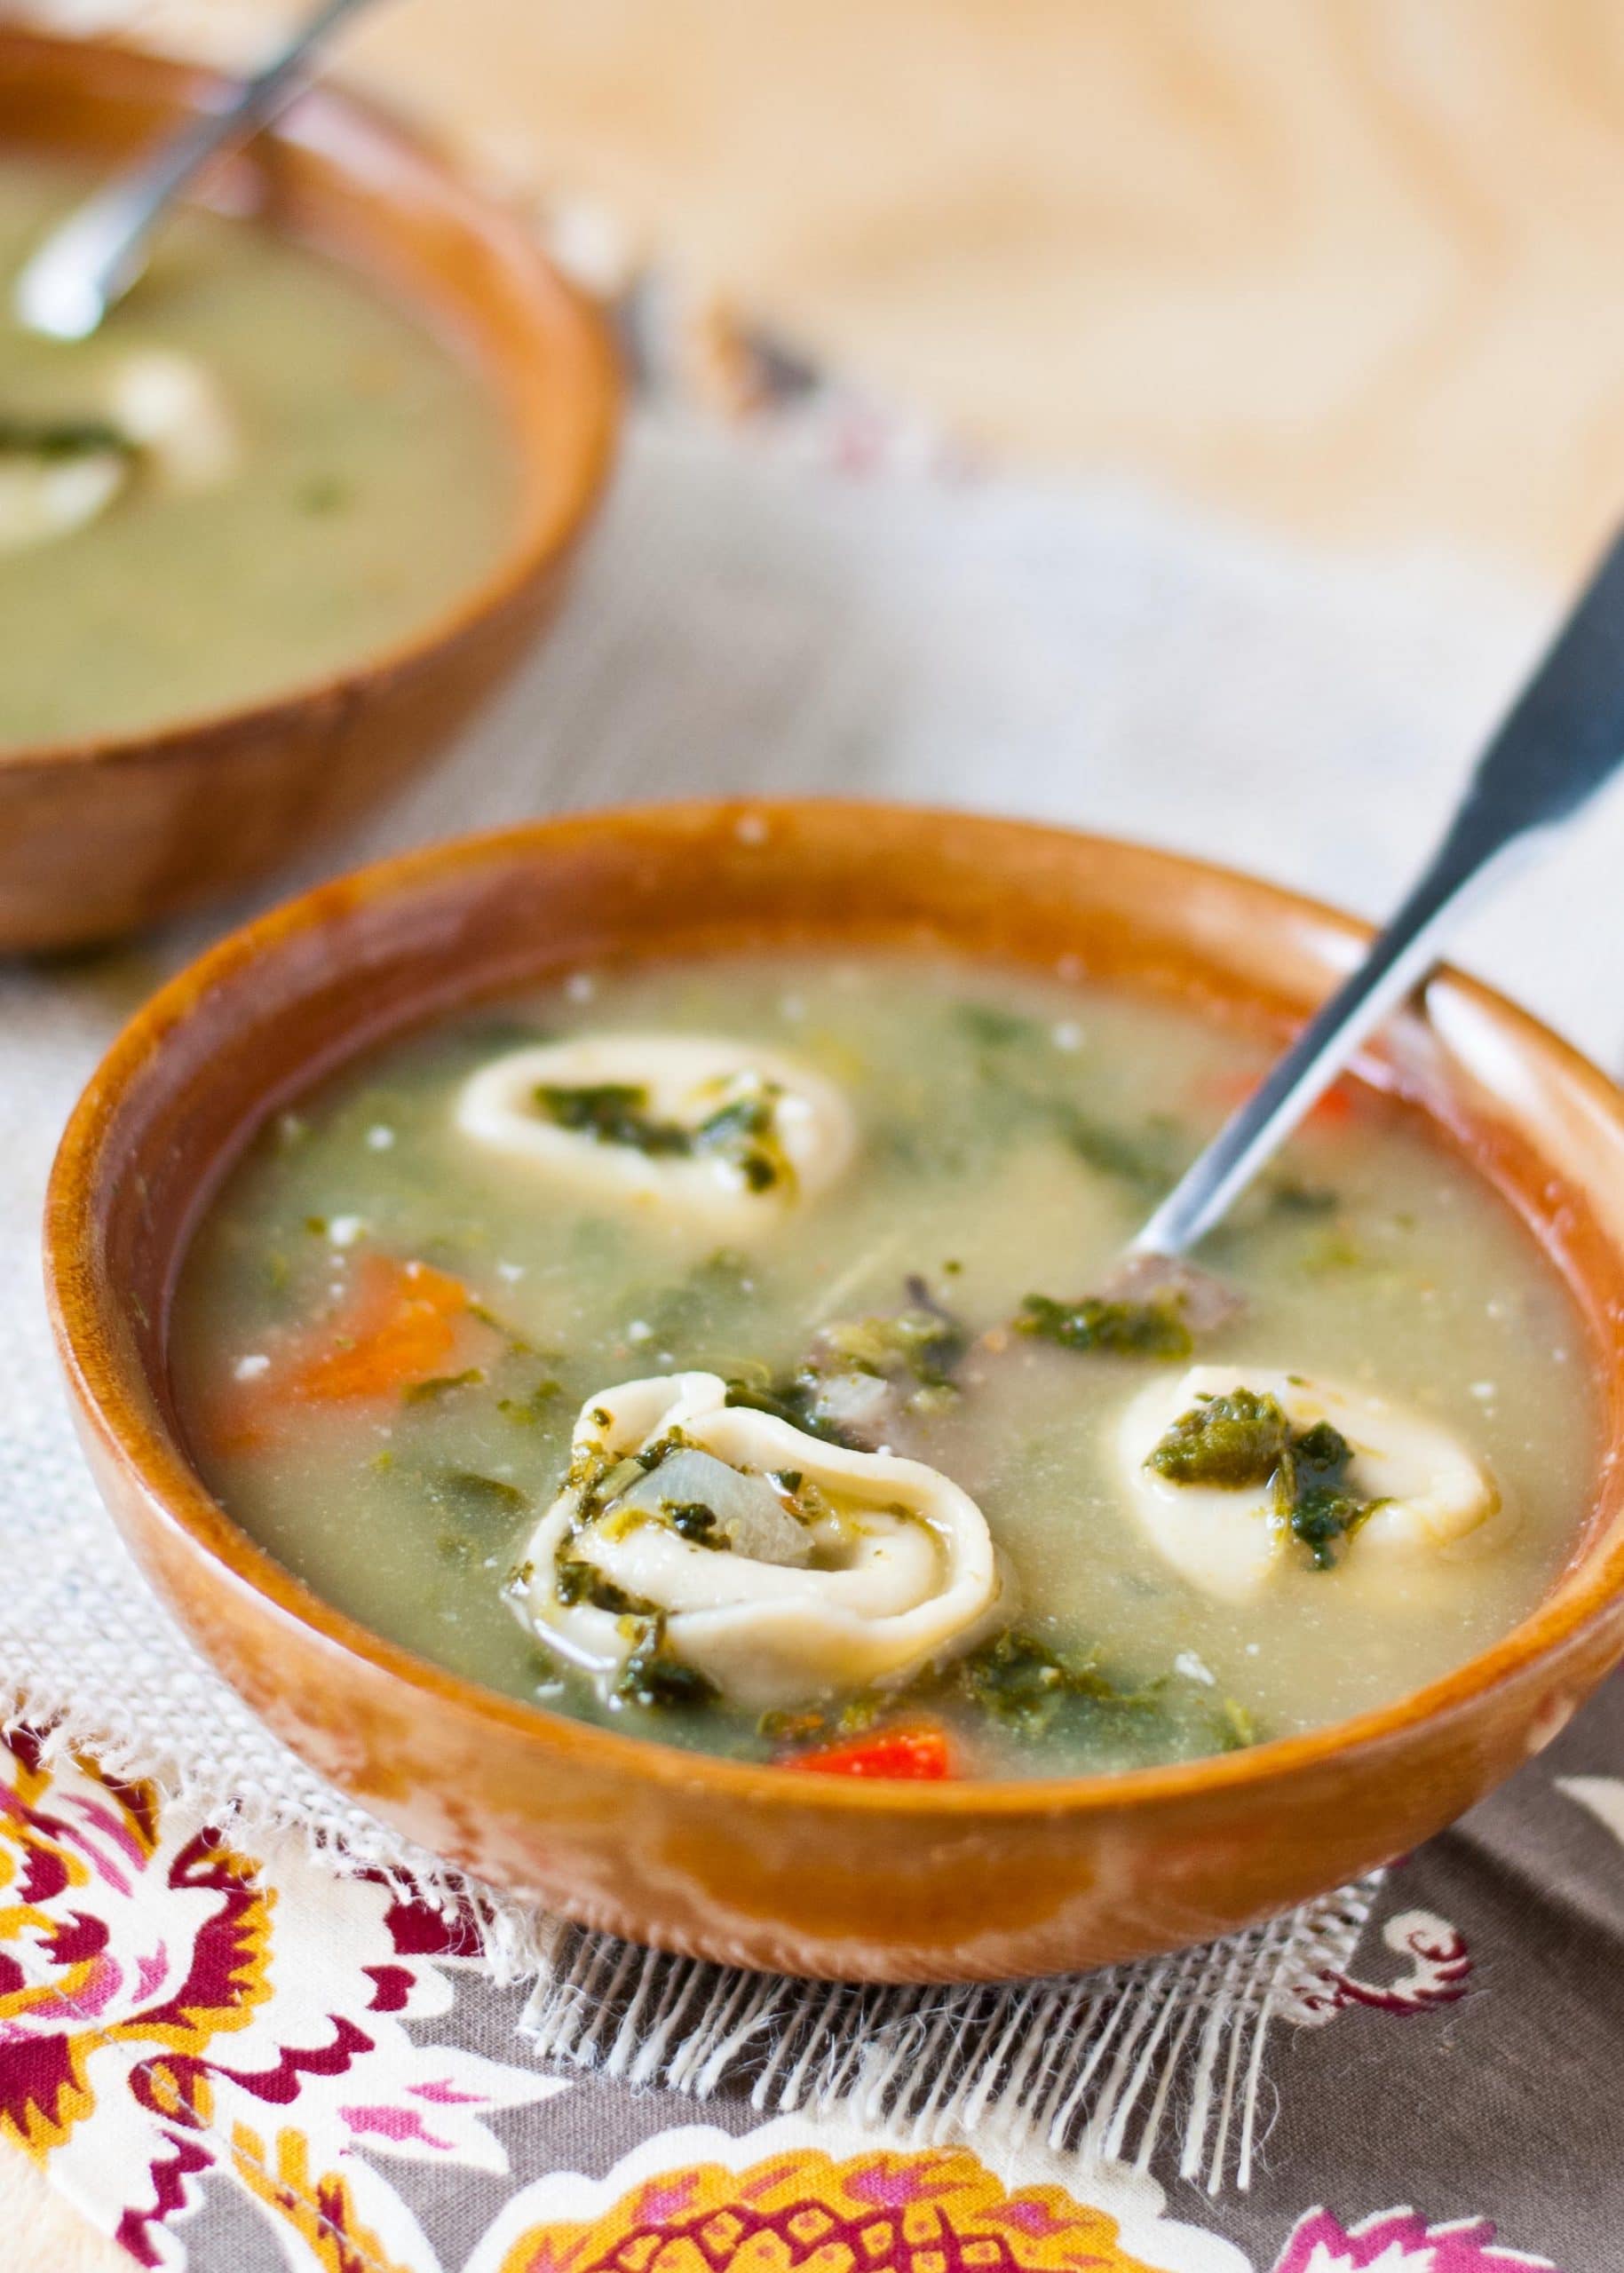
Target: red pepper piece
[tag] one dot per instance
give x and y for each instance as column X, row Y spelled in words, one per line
column 918, row 1754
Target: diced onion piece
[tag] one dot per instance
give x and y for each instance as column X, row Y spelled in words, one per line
column 749, row 1514
column 1231, row 1542
column 682, row 1081
column 902, row 1575
column 46, row 497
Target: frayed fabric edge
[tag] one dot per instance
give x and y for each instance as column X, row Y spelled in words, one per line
column 1111, row 2066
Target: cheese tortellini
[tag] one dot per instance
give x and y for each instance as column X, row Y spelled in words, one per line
column 701, row 1549
column 725, row 1134
column 1375, row 1483
column 150, row 413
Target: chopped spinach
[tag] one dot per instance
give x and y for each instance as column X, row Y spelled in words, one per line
column 53, row 440
column 1150, row 1158
column 991, row 1028
column 1230, row 1441
column 1021, row 1681
column 918, row 1342
column 470, row 1493
column 613, row 1112
column 790, row 1397
column 652, row 1678
column 577, row 1580
column 691, row 1520
column 525, row 1411
column 745, row 1134
column 1243, row 1439
column 431, row 1391
column 1312, row 1495
column 1155, row 1329
column 742, row 1132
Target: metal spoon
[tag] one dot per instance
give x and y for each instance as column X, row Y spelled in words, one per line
column 1562, row 739
column 90, row 261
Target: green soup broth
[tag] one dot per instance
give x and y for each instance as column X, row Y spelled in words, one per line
column 1012, row 1130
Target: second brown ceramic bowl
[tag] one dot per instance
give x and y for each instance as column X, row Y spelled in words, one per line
column 811, row 1874
column 99, row 837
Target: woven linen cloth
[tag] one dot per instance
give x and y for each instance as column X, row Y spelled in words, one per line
column 232, row 2057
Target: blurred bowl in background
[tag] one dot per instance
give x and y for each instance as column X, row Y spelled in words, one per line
column 101, row 836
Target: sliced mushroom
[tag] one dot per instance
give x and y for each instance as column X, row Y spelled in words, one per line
column 879, row 1567
column 723, row 1133
column 1422, row 1489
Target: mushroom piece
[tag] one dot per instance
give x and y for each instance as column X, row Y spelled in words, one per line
column 723, row 1133
column 1202, row 1456
column 815, row 1571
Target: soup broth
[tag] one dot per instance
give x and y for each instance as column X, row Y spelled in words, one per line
column 258, row 473
column 389, row 1324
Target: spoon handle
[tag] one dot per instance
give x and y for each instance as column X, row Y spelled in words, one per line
column 1562, row 739
column 90, row 261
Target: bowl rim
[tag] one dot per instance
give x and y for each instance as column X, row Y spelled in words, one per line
column 112, row 1389
column 586, row 443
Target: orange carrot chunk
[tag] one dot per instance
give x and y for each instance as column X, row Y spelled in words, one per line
column 399, row 1328
column 920, row 1755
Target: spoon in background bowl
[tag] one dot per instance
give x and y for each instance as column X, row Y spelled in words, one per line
column 90, row 260
column 1562, row 741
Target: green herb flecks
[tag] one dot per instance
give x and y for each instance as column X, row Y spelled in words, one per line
column 1022, row 1681
column 1243, row 1439
column 1149, row 1159
column 525, row 1412
column 742, row 1131
column 1155, row 1329
column 1230, row 1441
column 990, row 1026
column 470, row 1493
column 745, row 1134
column 654, row 1678
column 917, row 1341
column 439, row 1385
column 691, row 1520
column 792, row 1397
column 56, row 439
column 613, row 1112
column 577, row 1580
column 1311, row 1492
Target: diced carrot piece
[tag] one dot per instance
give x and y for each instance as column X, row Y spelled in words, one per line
column 919, row 1754
column 399, row 1328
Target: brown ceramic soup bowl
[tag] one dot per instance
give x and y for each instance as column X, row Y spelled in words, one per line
column 99, row 836
column 818, row 1876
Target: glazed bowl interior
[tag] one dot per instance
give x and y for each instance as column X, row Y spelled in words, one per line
column 341, row 177
column 812, row 1875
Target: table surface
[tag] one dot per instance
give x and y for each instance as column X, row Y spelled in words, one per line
column 1351, row 265
column 1346, row 267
